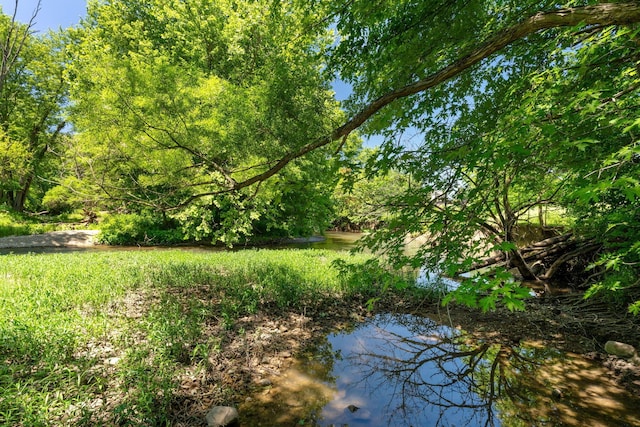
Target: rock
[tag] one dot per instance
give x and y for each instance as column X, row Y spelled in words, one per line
column 222, row 416
column 620, row 349
column 264, row 382
column 557, row 394
column 113, row 360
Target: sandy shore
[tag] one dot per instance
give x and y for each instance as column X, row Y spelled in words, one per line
column 73, row 238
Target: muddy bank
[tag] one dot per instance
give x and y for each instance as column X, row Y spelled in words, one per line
column 263, row 346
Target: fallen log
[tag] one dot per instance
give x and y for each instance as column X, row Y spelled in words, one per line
column 552, row 240
column 582, row 250
column 537, row 251
column 541, row 254
column 539, row 261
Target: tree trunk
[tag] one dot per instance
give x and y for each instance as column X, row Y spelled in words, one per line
column 523, row 268
column 20, row 196
column 541, row 216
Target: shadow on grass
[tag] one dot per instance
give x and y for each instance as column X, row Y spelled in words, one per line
column 159, row 338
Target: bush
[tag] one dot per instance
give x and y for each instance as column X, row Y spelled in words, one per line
column 134, row 229
column 16, row 224
column 60, row 199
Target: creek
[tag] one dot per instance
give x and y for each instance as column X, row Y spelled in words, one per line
column 406, row 370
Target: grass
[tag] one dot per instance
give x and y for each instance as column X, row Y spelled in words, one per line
column 554, row 216
column 100, row 338
column 16, row 224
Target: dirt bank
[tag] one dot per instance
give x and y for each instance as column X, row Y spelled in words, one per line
column 265, row 344
column 54, row 239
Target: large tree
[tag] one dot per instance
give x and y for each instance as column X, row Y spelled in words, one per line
column 396, row 53
column 539, row 113
column 176, row 101
column 32, row 93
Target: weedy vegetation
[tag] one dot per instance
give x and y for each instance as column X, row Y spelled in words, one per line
column 102, row 337
column 17, row 224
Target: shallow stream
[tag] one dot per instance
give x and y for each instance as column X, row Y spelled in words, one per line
column 403, row 370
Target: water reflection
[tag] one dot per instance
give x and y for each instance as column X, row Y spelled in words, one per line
column 332, row 240
column 436, row 282
column 409, row 371
column 405, row 370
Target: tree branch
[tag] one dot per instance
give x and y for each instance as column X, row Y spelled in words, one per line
column 12, row 44
column 604, row 14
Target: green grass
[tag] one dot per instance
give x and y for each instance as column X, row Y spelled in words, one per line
column 554, row 216
column 15, row 224
column 92, row 338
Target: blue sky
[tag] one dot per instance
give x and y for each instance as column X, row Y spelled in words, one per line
column 53, row 13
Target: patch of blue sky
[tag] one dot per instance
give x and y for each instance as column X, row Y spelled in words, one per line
column 53, row 14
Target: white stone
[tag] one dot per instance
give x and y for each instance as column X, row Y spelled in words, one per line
column 221, row 416
column 620, row 349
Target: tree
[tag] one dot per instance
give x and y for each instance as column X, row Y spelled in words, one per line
column 33, row 91
column 501, row 136
column 177, row 100
column 450, row 58
column 365, row 194
column 14, row 37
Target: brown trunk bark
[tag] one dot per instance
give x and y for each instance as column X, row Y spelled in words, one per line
column 523, row 268
column 20, row 196
column 552, row 240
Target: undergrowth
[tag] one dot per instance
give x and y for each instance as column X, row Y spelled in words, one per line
column 16, row 224
column 92, row 338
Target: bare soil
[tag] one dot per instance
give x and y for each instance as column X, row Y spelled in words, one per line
column 54, row 239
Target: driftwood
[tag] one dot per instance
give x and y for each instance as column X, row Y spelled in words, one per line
column 552, row 240
column 581, row 250
column 540, row 261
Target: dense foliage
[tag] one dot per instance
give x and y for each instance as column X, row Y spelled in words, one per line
column 364, row 196
column 215, row 120
column 176, row 101
column 33, row 89
column 547, row 123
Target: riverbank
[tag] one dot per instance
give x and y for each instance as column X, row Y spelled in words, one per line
column 153, row 337
column 53, row 239
column 160, row 337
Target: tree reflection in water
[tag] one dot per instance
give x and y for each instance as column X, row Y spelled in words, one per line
column 409, row 371
column 430, row 375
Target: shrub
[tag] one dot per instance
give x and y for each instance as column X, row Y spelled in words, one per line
column 135, row 229
column 60, row 199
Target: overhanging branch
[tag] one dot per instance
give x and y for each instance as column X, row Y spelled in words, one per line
column 604, row 14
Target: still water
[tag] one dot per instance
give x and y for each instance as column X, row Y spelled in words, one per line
column 403, row 370
column 332, row 240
